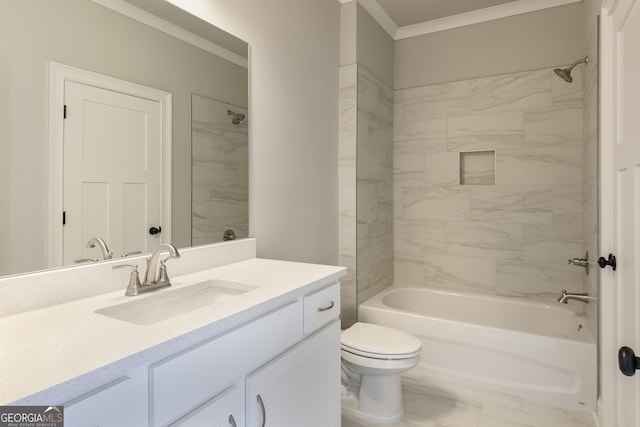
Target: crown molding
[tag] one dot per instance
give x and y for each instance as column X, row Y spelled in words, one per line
column 176, row 31
column 381, row 17
column 505, row 10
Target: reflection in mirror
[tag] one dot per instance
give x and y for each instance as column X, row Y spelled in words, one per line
column 220, row 176
column 168, row 50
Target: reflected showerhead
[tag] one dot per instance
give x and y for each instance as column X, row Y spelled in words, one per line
column 237, row 118
column 565, row 73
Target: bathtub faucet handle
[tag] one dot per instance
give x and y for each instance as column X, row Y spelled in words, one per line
column 581, row 262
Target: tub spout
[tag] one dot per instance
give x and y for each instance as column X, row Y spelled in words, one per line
column 580, row 296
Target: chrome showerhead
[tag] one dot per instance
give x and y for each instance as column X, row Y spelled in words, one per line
column 237, row 118
column 565, row 73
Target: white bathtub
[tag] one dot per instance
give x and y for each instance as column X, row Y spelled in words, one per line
column 532, row 350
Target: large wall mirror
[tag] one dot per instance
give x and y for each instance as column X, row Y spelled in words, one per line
column 201, row 73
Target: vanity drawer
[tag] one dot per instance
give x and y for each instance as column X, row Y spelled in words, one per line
column 224, row 409
column 189, row 379
column 321, row 307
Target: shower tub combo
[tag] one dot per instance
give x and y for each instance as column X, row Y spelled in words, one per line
column 524, row 348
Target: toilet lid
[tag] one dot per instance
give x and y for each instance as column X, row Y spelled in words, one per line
column 376, row 339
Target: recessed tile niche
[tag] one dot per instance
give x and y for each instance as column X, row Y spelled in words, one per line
column 478, row 168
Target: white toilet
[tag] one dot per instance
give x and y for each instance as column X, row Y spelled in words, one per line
column 373, row 357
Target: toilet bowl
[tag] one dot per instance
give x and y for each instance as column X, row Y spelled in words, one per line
column 373, row 357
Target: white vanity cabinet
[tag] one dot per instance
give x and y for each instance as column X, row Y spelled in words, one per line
column 182, row 383
column 293, row 368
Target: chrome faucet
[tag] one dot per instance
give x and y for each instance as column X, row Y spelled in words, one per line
column 106, row 254
column 581, row 296
column 157, row 277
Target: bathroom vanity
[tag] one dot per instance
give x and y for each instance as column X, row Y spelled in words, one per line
column 241, row 343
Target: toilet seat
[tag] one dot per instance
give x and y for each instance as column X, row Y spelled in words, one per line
column 378, row 342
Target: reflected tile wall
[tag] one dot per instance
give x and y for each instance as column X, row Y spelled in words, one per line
column 220, row 173
column 512, row 238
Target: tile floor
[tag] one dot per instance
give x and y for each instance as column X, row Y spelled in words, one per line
column 451, row 405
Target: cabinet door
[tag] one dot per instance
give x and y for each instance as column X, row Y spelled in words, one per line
column 299, row 388
column 224, row 410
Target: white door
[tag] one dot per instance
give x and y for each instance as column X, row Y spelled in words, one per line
column 624, row 37
column 112, row 172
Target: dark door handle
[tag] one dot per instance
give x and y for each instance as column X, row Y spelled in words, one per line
column 611, row 261
column 157, row 230
column 627, row 361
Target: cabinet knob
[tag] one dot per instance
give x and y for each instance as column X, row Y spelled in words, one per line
column 232, row 421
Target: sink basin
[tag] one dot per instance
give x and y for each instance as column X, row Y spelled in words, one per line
column 171, row 303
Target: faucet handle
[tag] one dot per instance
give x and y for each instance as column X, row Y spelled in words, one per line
column 134, row 285
column 162, row 274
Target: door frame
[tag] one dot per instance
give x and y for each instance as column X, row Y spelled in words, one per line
column 611, row 13
column 58, row 75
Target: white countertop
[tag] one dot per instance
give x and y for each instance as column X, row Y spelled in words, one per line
column 52, row 354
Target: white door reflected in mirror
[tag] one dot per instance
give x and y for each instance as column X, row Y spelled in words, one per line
column 112, row 182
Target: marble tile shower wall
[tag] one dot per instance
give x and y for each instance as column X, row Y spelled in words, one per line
column 509, row 238
column 365, row 187
column 347, row 144
column 374, row 185
column 590, row 176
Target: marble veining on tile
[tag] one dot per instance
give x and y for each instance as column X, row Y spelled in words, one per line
column 519, row 204
column 436, row 202
column 374, row 211
column 485, row 239
column 511, row 92
column 554, row 127
column 485, row 131
column 590, row 183
column 527, row 209
column 366, row 186
column 415, row 239
column 447, row 404
column 477, row 274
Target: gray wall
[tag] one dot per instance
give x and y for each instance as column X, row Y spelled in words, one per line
column 82, row 34
column 294, row 131
column 526, row 42
column 374, row 47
